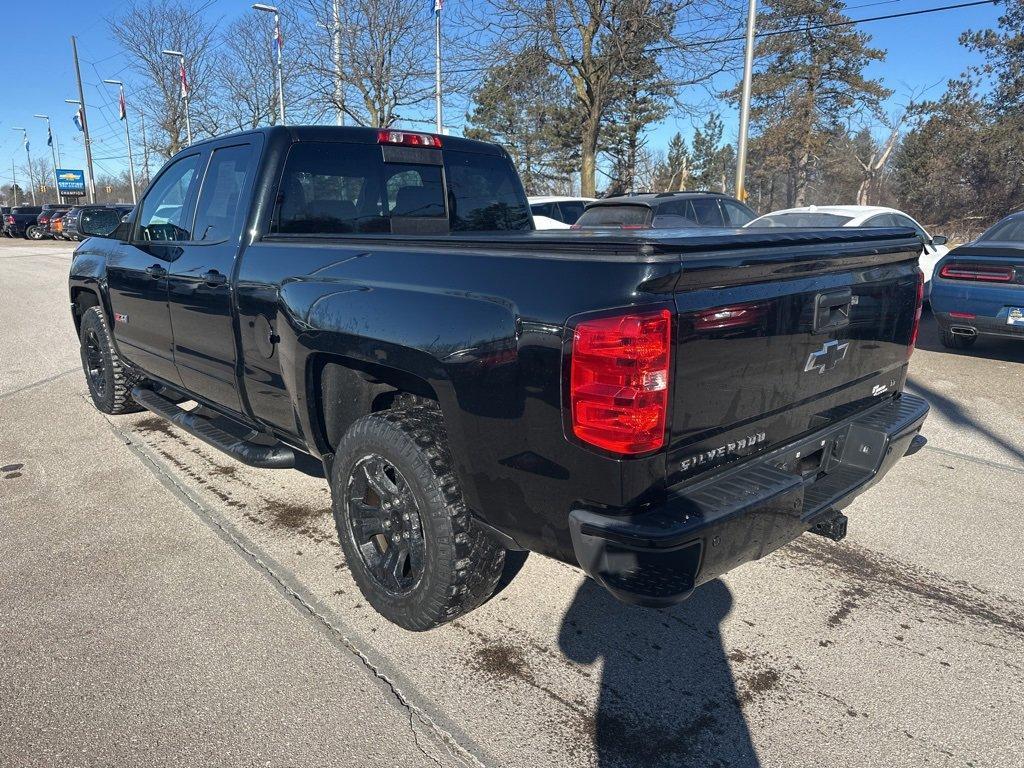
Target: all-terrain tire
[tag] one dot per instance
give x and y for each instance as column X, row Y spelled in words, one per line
column 461, row 562
column 954, row 341
column 110, row 384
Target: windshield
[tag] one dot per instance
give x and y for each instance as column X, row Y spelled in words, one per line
column 615, row 216
column 1008, row 231
column 801, row 219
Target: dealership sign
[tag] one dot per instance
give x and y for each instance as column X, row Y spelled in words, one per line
column 70, row 183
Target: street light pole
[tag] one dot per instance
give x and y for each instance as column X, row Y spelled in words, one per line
column 437, row 65
column 28, row 155
column 53, row 151
column 184, row 89
column 339, row 89
column 748, row 74
column 278, row 42
column 14, row 176
column 85, row 123
column 123, row 111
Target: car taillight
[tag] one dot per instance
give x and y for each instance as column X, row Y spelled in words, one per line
column 9, row 219
column 409, row 139
column 619, row 381
column 986, row 273
column 917, row 314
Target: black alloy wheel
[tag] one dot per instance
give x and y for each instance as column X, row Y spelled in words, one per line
column 94, row 367
column 384, row 523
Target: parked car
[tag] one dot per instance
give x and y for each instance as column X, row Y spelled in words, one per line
column 91, row 213
column 556, row 212
column 55, row 229
column 932, row 249
column 656, row 407
column 665, row 210
column 978, row 288
column 41, row 229
column 21, row 218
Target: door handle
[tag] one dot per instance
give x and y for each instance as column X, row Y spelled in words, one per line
column 832, row 310
column 213, row 278
column 156, row 271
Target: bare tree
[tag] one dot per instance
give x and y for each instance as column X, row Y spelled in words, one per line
column 386, row 57
column 597, row 44
column 144, row 30
column 247, row 82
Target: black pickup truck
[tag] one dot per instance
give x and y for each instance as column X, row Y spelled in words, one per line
column 657, row 407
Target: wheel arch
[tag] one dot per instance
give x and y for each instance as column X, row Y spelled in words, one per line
column 345, row 389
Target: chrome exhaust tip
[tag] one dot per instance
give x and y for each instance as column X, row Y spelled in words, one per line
column 963, row 330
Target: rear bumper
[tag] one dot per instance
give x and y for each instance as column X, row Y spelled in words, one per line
column 657, row 557
column 981, row 325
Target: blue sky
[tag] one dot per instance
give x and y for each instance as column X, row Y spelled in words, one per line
column 38, row 74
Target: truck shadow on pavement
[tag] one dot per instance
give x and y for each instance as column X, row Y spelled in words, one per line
column 668, row 696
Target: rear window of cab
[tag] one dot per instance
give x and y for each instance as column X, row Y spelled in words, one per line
column 341, row 188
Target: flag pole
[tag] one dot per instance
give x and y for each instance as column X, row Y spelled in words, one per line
column 122, row 108
column 437, row 64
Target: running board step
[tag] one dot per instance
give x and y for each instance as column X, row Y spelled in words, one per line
column 277, row 456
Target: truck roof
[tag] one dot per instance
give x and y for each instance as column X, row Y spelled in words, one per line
column 354, row 134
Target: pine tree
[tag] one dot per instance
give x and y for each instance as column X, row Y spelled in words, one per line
column 712, row 162
column 523, row 106
column 674, row 173
column 808, row 81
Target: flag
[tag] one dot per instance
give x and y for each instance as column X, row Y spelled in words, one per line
column 49, row 134
column 26, row 141
column 77, row 119
column 122, row 109
column 279, row 38
column 437, row 5
column 184, row 80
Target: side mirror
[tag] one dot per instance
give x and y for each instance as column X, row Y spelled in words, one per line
column 99, row 223
column 940, row 240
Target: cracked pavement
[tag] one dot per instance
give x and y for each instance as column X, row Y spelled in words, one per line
column 161, row 603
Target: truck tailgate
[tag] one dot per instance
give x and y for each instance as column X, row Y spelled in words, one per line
column 775, row 343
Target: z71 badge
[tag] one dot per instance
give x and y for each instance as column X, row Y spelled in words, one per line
column 744, row 444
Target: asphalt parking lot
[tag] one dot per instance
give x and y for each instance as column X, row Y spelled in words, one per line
column 163, row 604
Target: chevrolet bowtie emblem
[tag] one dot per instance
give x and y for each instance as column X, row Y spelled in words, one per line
column 828, row 357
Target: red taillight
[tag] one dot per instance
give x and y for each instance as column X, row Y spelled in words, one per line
column 9, row 219
column 409, row 139
column 962, row 315
column 986, row 273
column 919, row 303
column 618, row 382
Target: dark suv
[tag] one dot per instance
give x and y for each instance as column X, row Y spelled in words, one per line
column 665, row 210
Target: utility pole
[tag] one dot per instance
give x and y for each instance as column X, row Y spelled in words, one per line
column 14, row 176
column 184, row 89
column 339, row 89
column 145, row 148
column 28, row 155
column 279, row 43
column 748, row 74
column 123, row 114
column 53, row 152
column 85, row 123
column 437, row 64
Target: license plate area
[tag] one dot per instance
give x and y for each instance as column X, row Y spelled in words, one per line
column 813, row 460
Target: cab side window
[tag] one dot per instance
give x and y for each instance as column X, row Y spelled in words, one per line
column 165, row 214
column 219, row 210
column 736, row 215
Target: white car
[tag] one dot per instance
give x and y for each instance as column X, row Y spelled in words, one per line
column 556, row 212
column 859, row 216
